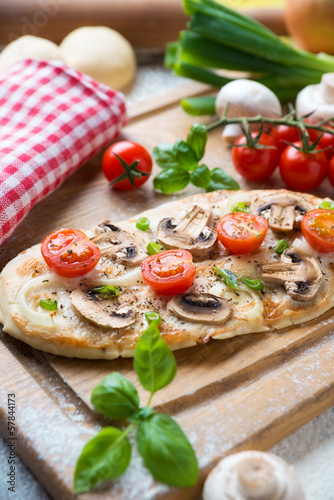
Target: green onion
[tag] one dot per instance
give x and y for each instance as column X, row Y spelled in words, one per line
column 153, row 317
column 197, row 106
column 143, row 224
column 241, row 207
column 281, row 246
column 48, row 304
column 327, row 205
column 254, row 284
column 106, row 290
column 153, row 248
column 227, row 277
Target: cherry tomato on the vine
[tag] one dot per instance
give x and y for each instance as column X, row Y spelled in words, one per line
column 285, row 133
column 318, row 229
column 241, row 232
column 255, row 164
column 303, row 171
column 69, row 252
column 169, row 273
column 126, row 165
column 327, row 142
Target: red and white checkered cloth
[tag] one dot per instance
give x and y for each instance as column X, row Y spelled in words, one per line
column 52, row 119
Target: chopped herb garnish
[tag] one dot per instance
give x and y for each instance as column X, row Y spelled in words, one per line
column 49, row 304
column 241, row 207
column 143, row 224
column 254, row 284
column 327, row 205
column 153, row 248
column 106, row 290
column 281, row 246
column 227, row 277
column 153, row 317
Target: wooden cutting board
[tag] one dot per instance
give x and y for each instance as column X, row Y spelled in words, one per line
column 248, row 392
column 145, row 23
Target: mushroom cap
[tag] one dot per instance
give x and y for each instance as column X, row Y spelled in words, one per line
column 284, row 211
column 247, row 98
column 201, row 308
column 190, row 233
column 124, row 246
column 317, row 100
column 103, row 311
column 252, row 475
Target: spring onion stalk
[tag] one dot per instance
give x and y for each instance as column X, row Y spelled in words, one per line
column 196, row 106
column 219, row 38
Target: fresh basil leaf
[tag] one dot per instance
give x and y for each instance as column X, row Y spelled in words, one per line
column 197, row 138
column 171, row 180
column 103, row 458
column 165, row 156
column 227, row 277
column 167, row 452
column 154, row 362
column 142, row 414
column 219, row 179
column 115, row 397
column 200, row 177
column 186, row 156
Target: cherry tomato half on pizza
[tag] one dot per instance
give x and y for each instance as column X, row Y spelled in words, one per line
column 241, row 233
column 169, row 273
column 318, row 229
column 70, row 253
column 126, row 165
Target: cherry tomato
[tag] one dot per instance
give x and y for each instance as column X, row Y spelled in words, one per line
column 285, row 133
column 331, row 171
column 303, row 171
column 318, row 229
column 241, row 233
column 169, row 273
column 314, row 134
column 69, row 252
column 253, row 163
column 126, row 165
column 327, row 141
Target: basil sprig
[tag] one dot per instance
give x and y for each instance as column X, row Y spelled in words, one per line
column 162, row 444
column 227, row 277
column 180, row 165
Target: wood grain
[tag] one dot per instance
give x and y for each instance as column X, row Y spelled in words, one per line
column 247, row 392
column 145, row 23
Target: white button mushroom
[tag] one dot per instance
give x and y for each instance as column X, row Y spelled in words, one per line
column 245, row 98
column 102, row 53
column 317, row 99
column 252, row 475
column 28, row 47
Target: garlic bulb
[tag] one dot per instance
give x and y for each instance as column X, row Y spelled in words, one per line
column 252, row 475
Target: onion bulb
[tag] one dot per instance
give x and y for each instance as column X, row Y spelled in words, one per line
column 311, row 24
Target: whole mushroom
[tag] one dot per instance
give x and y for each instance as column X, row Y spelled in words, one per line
column 245, row 98
column 252, row 475
column 317, row 100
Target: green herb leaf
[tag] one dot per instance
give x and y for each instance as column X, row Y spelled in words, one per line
column 116, row 397
column 254, row 284
column 103, row 458
column 197, row 138
column 185, row 155
column 327, row 205
column 221, row 180
column 153, row 317
column 142, row 414
column 227, row 277
column 281, row 246
column 165, row 156
column 48, row 304
column 200, row 177
column 167, row 452
column 143, row 223
column 106, row 290
column 152, row 247
column 154, row 362
column 241, row 207
column 171, row 180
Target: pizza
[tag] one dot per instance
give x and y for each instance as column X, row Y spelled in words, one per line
column 210, row 275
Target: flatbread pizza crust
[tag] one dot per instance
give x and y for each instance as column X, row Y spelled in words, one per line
column 67, row 332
